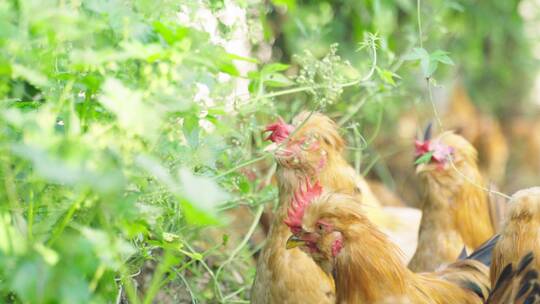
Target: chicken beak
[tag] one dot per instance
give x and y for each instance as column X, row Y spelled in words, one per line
column 421, row 168
column 295, row 241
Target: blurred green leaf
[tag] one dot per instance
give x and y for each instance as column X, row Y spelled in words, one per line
column 201, row 191
column 11, row 240
column 32, row 76
column 112, row 251
column 424, row 159
column 141, row 119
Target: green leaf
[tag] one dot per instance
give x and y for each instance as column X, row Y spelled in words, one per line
column 49, row 256
column 441, row 56
column 191, row 130
column 59, row 171
column 242, row 58
column 171, row 34
column 429, row 62
column 416, row 54
column 12, row 241
column 424, row 159
column 134, row 115
column 31, row 75
column 289, row 4
column 277, row 80
column 111, row 250
column 274, row 67
column 201, row 191
column 195, row 216
column 387, row 76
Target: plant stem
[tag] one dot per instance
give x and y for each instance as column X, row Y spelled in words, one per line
column 418, row 16
column 65, row 221
column 244, row 164
column 157, row 280
column 242, row 244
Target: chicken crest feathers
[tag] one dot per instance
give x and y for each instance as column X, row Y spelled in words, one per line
column 279, row 131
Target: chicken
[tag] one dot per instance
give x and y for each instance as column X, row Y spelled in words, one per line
column 333, row 229
column 517, row 284
column 520, row 234
column 514, row 272
column 310, row 148
column 456, row 211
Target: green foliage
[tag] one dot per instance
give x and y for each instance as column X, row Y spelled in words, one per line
column 429, row 62
column 424, row 159
column 109, row 143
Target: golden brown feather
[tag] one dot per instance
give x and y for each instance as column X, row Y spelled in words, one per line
column 517, row 284
column 520, row 234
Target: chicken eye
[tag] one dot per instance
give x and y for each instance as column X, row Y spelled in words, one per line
column 321, row 227
column 309, row 141
column 306, row 144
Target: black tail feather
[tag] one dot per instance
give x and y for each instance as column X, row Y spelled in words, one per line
column 484, row 253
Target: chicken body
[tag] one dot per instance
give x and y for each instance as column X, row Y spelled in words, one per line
column 367, row 267
column 517, row 283
column 520, row 234
column 456, row 211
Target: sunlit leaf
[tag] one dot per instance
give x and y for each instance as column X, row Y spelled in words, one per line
column 201, row 191
column 424, row 159
column 134, row 115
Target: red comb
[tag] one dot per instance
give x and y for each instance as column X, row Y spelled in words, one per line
column 421, row 147
column 302, row 199
column 280, row 131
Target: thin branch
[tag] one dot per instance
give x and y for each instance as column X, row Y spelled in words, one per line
column 239, row 248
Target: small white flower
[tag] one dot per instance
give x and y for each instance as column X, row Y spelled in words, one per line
column 206, row 125
column 231, row 14
column 222, row 77
column 202, row 95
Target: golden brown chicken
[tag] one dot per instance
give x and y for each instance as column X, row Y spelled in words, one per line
column 514, row 272
column 335, row 232
column 517, row 283
column 456, row 211
column 520, row 234
column 310, row 148
column 276, row 281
